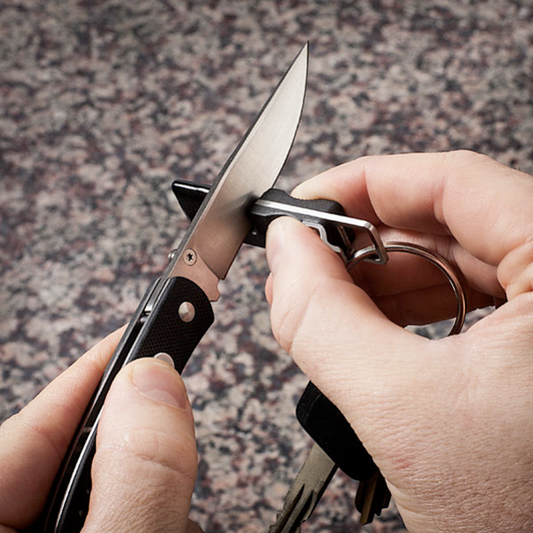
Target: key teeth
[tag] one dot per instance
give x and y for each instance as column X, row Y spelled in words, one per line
column 271, row 528
column 301, row 505
column 291, row 501
column 305, row 491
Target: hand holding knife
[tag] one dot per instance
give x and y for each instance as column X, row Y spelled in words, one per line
column 175, row 312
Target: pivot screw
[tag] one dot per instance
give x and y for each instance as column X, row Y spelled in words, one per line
column 189, row 257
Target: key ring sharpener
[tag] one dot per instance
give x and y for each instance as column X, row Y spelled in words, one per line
column 435, row 259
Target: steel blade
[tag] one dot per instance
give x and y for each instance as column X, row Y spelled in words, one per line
column 221, row 224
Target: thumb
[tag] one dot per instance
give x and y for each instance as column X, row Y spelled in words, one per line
column 144, row 468
column 333, row 330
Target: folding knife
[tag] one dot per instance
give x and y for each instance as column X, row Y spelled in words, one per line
column 176, row 311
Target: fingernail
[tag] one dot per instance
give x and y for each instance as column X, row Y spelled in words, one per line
column 275, row 243
column 165, row 358
column 160, row 383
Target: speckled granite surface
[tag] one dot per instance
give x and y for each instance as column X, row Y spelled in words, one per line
column 103, row 103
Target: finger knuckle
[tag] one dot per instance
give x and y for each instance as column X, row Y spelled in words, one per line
column 465, row 156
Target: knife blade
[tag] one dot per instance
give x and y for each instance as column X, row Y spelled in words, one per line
column 252, row 169
column 175, row 312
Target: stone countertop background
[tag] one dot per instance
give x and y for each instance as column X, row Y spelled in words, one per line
column 103, row 103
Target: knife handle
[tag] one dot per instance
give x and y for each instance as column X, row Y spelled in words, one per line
column 176, row 322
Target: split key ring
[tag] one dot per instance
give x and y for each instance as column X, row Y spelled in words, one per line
column 435, row 259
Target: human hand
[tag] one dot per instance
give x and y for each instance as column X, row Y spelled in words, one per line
column 145, row 463
column 447, row 421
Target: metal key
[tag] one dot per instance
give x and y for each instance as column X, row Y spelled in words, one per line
column 305, row 491
column 333, row 433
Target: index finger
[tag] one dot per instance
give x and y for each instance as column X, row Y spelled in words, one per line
column 34, row 442
column 483, row 204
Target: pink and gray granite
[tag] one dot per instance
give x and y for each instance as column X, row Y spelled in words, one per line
column 104, row 102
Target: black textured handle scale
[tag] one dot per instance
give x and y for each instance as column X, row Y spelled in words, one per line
column 332, row 432
column 162, row 330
